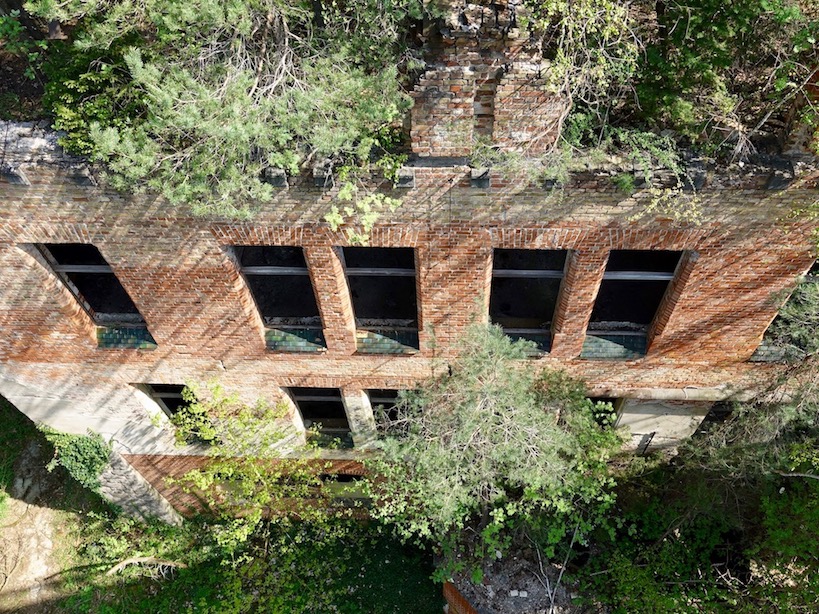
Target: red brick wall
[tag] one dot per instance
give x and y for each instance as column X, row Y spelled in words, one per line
column 748, row 251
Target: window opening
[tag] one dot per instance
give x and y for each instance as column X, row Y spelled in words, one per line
column 383, row 293
column 91, row 280
column 322, row 411
column 279, row 281
column 88, row 276
column 633, row 286
column 169, row 397
column 384, row 403
column 525, row 291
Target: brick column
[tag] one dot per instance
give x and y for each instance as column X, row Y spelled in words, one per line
column 443, row 113
column 584, row 274
column 671, row 298
column 333, row 296
column 454, row 277
column 527, row 115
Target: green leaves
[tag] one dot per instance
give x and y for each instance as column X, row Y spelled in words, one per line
column 85, row 457
column 222, row 90
column 490, row 445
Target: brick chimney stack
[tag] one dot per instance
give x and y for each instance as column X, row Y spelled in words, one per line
column 486, row 82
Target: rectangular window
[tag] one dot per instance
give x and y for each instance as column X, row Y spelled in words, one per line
column 279, row 281
column 383, row 293
column 525, row 291
column 168, row 396
column 383, row 402
column 633, row 286
column 322, row 409
column 88, row 276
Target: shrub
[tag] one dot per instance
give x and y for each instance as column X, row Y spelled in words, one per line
column 85, row 457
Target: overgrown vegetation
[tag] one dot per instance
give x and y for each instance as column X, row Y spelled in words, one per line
column 85, row 457
column 195, row 98
column 301, row 569
column 12, row 436
column 733, row 522
column 488, row 449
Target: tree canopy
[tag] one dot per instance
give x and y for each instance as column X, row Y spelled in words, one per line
column 490, row 445
column 195, row 98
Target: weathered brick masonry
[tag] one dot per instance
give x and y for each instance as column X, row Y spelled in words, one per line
column 181, row 275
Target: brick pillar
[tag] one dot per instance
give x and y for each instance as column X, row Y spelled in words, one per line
column 443, row 113
column 584, row 274
column 527, row 115
column 454, row 278
column 333, row 296
column 67, row 317
column 360, row 416
column 670, row 299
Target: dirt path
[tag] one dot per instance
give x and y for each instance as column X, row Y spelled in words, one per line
column 28, row 565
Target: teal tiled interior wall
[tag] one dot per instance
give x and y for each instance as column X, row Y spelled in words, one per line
column 116, row 337
column 767, row 352
column 295, row 340
column 614, row 347
column 386, row 341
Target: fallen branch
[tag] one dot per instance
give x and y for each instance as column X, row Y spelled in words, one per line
column 810, row 476
column 143, row 560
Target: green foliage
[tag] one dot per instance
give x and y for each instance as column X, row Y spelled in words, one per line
column 625, row 183
column 692, row 541
column 488, row 446
column 85, row 457
column 795, row 328
column 259, row 476
column 352, row 568
column 85, row 88
column 15, row 40
column 215, row 92
column 16, row 429
column 590, row 44
column 711, row 64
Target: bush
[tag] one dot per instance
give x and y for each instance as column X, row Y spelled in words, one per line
column 488, row 446
column 85, row 457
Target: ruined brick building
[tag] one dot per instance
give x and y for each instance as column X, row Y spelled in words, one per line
column 111, row 303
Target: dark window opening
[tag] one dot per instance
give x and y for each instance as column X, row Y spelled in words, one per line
column 169, row 397
column 633, row 286
column 813, row 272
column 91, row 280
column 383, row 402
column 322, row 410
column 279, row 280
column 383, row 292
column 525, row 291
